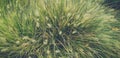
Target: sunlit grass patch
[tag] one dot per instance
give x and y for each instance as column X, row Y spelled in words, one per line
column 56, row 29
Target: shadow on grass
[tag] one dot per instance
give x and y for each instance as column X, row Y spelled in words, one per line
column 114, row 4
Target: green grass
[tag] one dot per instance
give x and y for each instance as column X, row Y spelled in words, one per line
column 57, row 29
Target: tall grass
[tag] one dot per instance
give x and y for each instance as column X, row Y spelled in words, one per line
column 57, row 29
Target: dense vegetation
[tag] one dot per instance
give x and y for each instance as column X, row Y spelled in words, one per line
column 58, row 29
